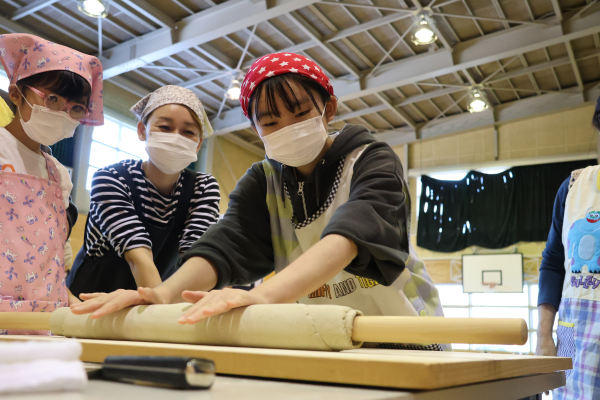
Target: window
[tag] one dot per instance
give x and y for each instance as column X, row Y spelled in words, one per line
column 494, row 305
column 3, row 80
column 112, row 142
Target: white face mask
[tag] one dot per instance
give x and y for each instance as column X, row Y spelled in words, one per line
column 297, row 144
column 46, row 126
column 170, row 152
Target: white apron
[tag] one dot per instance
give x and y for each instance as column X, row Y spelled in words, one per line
column 579, row 312
column 411, row 294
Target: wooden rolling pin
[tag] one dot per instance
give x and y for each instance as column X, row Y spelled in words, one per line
column 295, row 326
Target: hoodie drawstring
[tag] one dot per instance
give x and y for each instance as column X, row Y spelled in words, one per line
column 317, row 182
column 281, row 188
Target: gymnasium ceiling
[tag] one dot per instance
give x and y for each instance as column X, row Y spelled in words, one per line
column 531, row 56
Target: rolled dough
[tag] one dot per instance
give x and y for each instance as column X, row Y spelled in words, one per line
column 282, row 326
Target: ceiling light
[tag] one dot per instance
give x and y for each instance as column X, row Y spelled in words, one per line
column 233, row 93
column 94, row 8
column 477, row 101
column 424, row 34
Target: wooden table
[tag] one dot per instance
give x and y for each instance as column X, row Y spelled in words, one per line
column 389, row 374
column 236, row 388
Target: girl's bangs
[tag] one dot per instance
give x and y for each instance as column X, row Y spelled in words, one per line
column 279, row 87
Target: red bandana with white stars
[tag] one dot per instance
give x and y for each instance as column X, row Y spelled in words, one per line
column 277, row 64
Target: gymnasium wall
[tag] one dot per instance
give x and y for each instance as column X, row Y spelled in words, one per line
column 229, row 163
column 566, row 132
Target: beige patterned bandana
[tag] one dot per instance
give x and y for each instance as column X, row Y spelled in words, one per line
column 172, row 94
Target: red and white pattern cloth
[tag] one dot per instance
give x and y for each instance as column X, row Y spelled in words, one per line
column 277, row 64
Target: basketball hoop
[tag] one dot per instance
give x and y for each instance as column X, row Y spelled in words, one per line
column 489, row 286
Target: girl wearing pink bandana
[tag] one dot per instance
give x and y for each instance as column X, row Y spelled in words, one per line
column 54, row 89
column 329, row 213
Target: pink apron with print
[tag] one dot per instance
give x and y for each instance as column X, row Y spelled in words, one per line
column 33, row 232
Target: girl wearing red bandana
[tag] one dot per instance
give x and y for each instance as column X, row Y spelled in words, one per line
column 329, row 213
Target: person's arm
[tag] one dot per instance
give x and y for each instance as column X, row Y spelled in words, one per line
column 72, row 298
column 142, row 267
column 197, row 273
column 239, row 246
column 203, row 211
column 545, row 342
column 112, row 210
column 552, row 269
column 375, row 216
column 311, row 270
column 237, row 250
column 72, row 216
column 552, row 275
column 366, row 236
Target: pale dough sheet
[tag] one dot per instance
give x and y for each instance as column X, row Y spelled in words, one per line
column 280, row 326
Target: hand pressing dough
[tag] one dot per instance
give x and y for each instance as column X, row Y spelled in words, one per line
column 281, row 326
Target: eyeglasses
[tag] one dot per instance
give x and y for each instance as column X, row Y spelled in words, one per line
column 55, row 102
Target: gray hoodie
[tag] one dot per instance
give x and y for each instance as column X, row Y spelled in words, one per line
column 375, row 216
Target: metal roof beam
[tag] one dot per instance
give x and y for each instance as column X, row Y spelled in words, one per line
column 259, row 151
column 207, row 25
column 314, row 35
column 396, row 137
column 574, row 64
column 529, row 70
column 491, row 48
column 525, row 108
column 400, row 113
column 215, row 55
column 221, row 73
column 430, row 95
column 557, row 10
column 388, row 19
column 31, row 8
column 139, row 19
column 130, row 86
column 12, row 27
column 15, row 27
column 150, row 12
column 364, row 111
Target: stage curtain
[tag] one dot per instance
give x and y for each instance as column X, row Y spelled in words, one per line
column 491, row 210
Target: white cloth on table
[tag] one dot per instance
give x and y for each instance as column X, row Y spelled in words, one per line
column 41, row 367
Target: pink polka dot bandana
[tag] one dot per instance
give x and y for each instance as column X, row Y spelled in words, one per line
column 277, row 64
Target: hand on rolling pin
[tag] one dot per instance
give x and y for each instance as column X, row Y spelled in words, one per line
column 101, row 304
column 217, row 302
column 196, row 273
column 309, row 272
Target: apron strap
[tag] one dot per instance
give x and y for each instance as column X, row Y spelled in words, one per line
column 185, row 198
column 53, row 173
column 123, row 172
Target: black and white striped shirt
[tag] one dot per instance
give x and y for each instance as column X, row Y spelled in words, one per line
column 113, row 221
